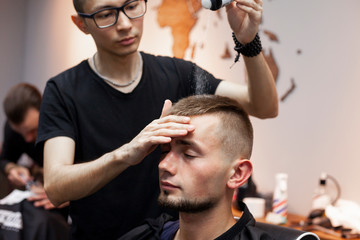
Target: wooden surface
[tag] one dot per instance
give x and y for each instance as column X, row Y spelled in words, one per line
column 293, row 220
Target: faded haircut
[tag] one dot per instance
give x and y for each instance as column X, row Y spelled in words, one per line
column 19, row 100
column 235, row 131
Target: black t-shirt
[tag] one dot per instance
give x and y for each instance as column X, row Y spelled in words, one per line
column 80, row 105
column 14, row 145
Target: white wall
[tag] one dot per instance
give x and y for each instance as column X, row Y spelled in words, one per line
column 318, row 125
column 12, row 25
column 53, row 42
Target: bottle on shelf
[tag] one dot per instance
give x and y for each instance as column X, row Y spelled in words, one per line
column 321, row 198
column 280, row 197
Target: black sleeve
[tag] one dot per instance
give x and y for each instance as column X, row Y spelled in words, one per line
column 55, row 119
column 203, row 82
column 194, row 79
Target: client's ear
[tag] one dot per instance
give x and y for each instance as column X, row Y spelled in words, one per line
column 240, row 173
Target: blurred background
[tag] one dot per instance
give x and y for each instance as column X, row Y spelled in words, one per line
column 312, row 47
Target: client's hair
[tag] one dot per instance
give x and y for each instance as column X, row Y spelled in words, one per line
column 235, row 131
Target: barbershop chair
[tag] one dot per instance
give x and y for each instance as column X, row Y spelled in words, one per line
column 285, row 233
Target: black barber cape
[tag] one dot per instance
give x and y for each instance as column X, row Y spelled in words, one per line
column 23, row 221
column 162, row 228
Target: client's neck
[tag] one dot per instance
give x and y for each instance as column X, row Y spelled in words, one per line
column 205, row 225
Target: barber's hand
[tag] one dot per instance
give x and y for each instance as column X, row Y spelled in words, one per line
column 166, row 108
column 244, row 17
column 40, row 198
column 18, row 176
column 159, row 131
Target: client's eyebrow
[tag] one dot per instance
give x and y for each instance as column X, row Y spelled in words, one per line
column 189, row 143
column 185, row 142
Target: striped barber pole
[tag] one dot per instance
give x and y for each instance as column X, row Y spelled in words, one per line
column 280, row 207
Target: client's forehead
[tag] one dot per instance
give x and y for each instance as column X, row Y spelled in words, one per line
column 206, row 127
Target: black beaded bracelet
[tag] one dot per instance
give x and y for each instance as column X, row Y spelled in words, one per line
column 250, row 49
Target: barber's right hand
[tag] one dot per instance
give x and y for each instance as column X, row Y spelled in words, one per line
column 18, row 176
column 159, row 131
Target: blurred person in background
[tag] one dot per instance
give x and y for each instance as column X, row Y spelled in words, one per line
column 22, row 106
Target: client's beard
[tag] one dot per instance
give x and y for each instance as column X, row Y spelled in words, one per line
column 185, row 205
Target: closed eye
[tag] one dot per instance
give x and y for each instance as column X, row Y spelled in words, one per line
column 189, row 156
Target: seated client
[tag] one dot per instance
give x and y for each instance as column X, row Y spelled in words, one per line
column 199, row 172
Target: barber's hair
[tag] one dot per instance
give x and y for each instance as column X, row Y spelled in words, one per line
column 235, row 131
column 79, row 5
column 19, row 100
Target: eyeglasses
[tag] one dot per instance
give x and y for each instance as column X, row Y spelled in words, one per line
column 108, row 17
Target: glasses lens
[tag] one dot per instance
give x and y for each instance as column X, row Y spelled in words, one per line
column 105, row 18
column 135, row 9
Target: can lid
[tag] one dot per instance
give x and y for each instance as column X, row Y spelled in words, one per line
column 281, row 181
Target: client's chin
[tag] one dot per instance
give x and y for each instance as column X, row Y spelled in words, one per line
column 165, row 200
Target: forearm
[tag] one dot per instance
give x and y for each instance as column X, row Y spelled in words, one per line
column 259, row 97
column 262, row 94
column 75, row 181
column 66, row 181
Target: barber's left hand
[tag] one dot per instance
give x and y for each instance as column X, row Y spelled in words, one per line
column 244, row 17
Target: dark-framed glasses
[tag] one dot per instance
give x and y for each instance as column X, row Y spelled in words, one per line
column 108, row 17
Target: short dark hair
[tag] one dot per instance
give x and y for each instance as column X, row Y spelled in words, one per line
column 19, row 100
column 235, row 131
column 79, row 5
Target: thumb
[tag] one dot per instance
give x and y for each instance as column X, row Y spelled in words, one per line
column 166, row 107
